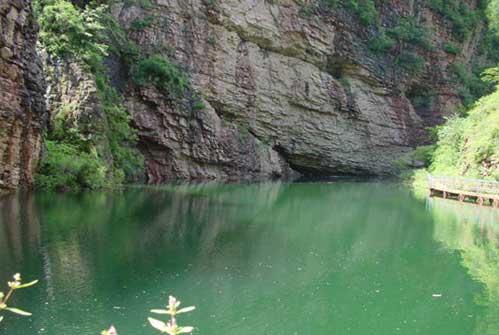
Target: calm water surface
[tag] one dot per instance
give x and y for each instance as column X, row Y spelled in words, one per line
column 271, row 258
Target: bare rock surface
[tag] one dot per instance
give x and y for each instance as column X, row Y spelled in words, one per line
column 283, row 91
column 22, row 105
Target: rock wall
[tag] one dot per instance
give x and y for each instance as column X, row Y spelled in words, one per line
column 22, row 105
column 73, row 101
column 282, row 90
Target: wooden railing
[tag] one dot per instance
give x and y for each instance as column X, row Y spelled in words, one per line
column 476, row 190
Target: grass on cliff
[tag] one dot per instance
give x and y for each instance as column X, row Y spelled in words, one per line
column 162, row 73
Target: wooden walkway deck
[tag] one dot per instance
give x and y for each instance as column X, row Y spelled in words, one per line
column 481, row 192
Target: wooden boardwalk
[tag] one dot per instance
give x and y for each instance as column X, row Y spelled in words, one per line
column 481, row 192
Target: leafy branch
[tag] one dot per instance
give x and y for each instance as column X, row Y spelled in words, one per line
column 13, row 286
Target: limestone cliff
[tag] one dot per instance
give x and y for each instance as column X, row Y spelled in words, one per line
column 284, row 90
column 22, row 106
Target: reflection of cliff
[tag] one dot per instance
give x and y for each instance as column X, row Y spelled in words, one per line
column 19, row 227
column 474, row 232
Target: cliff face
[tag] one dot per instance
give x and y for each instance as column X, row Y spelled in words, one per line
column 283, row 90
column 22, row 106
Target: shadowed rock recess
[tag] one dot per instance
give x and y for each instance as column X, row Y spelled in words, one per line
column 22, row 106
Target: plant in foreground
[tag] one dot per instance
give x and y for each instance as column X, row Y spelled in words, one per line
column 13, row 286
column 171, row 326
column 110, row 331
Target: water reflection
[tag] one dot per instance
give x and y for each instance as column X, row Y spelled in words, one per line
column 351, row 258
column 474, row 232
column 19, row 228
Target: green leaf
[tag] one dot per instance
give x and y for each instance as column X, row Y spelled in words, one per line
column 160, row 311
column 34, row 282
column 186, row 309
column 159, row 325
column 185, row 330
column 17, row 311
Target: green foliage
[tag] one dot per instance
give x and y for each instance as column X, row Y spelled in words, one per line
column 472, row 86
column 492, row 12
column 408, row 31
column 162, row 73
column 469, row 146
column 424, row 154
column 491, row 76
column 365, row 10
column 451, row 48
column 307, row 10
column 67, row 31
column 67, row 167
column 141, row 24
column 211, row 3
column 198, row 105
column 117, row 40
column 382, row 43
column 461, row 16
column 144, row 4
column 73, row 161
column 410, row 62
column 421, row 101
column 211, row 40
column 127, row 162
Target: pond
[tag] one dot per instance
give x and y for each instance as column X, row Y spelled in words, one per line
column 340, row 257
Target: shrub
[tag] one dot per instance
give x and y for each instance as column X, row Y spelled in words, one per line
column 198, row 105
column 141, row 24
column 463, row 19
column 68, row 32
column 410, row 62
column 382, row 43
column 365, row 10
column 451, row 48
column 66, row 167
column 472, row 86
column 144, row 4
column 424, row 154
column 469, row 146
column 162, row 73
column 408, row 31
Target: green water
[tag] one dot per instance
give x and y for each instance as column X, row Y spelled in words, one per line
column 271, row 258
